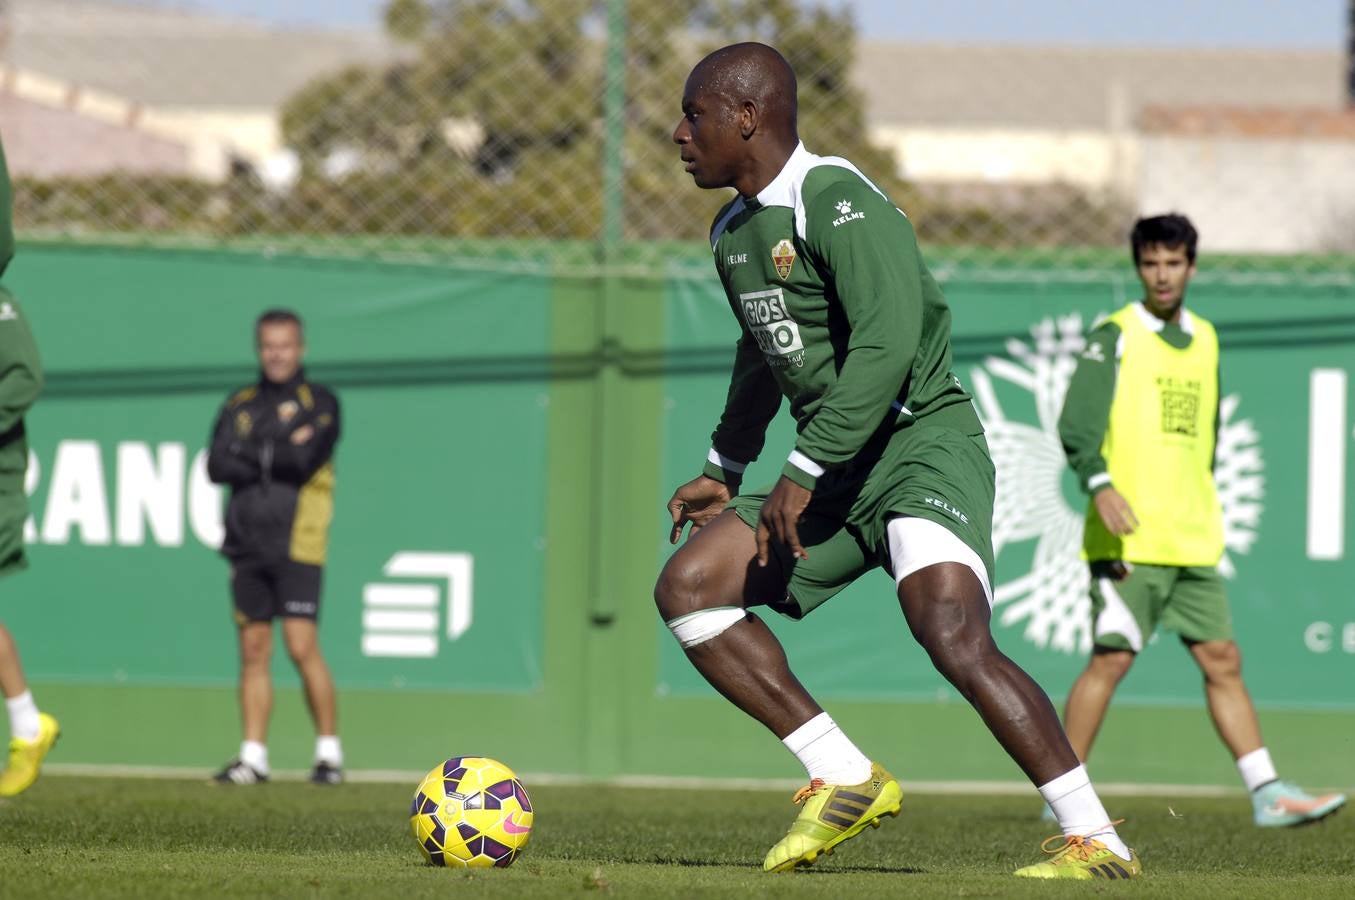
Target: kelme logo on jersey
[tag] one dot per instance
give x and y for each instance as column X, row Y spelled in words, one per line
column 783, row 257
column 770, row 324
column 945, row 506
column 845, row 207
column 1037, row 530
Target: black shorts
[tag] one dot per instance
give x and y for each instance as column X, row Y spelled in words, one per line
column 265, row 590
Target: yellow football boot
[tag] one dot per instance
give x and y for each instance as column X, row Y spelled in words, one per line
column 25, row 757
column 831, row 814
column 1081, row 857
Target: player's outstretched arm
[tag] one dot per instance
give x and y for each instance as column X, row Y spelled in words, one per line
column 876, row 271
column 1085, row 416
column 698, row 501
column 750, row 406
column 20, row 369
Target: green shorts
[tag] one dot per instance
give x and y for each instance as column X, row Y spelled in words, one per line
column 1189, row 600
column 13, row 515
column 14, row 504
column 924, row 471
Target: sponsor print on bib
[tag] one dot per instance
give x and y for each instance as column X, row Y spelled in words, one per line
column 1180, row 406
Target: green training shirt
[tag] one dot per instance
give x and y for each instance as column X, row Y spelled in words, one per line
column 1086, row 407
column 837, row 313
column 20, row 368
column 6, row 214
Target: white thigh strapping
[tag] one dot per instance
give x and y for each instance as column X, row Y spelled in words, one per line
column 916, row 543
column 704, row 624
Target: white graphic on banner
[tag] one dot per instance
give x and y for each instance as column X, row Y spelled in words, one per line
column 1050, row 596
column 132, row 494
column 402, row 618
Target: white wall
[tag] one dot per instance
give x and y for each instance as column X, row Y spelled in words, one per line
column 1281, row 195
column 1095, row 160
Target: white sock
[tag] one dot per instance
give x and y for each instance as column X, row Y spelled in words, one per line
column 827, row 753
column 1255, row 768
column 23, row 716
column 1079, row 810
column 327, row 749
column 255, row 755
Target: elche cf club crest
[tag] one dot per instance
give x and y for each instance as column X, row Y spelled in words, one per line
column 783, row 257
column 1019, row 397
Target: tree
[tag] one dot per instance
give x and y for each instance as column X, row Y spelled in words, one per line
column 820, row 45
column 492, row 123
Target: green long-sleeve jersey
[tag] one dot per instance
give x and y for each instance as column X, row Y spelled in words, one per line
column 837, row 313
column 1091, row 392
column 20, row 368
column 6, row 214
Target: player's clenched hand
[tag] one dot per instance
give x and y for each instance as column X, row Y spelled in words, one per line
column 698, row 501
column 780, row 518
column 1115, row 512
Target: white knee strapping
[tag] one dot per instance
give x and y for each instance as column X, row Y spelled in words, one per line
column 704, row 624
column 915, row 543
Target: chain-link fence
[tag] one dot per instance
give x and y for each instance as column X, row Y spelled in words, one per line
column 537, row 132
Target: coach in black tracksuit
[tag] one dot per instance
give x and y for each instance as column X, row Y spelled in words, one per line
column 273, row 443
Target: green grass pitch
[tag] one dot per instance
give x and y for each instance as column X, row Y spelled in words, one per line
column 101, row 837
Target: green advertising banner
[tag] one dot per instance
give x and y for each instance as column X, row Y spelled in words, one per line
column 434, row 576
column 1283, row 470
column 509, row 442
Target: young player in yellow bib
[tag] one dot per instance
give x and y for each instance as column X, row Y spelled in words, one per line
column 838, row 314
column 1139, row 426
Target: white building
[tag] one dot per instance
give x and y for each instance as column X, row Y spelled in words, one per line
column 92, row 86
column 158, row 89
column 1252, row 144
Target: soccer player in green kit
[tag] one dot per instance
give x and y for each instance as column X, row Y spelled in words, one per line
column 838, row 314
column 1139, row 425
column 32, row 733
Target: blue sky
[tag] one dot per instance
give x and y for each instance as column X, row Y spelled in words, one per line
column 1202, row 23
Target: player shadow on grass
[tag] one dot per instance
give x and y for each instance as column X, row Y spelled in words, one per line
column 712, row 863
column 861, row 870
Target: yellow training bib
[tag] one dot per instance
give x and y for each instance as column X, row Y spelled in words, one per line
column 1159, row 446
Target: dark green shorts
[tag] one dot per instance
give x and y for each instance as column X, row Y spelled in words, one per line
column 13, row 515
column 1189, row 600
column 928, row 472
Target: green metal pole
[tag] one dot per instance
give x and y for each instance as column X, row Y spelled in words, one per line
column 608, row 426
column 614, row 131
column 604, row 675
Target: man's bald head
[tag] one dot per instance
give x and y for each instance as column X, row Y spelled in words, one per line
column 755, row 73
column 738, row 118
